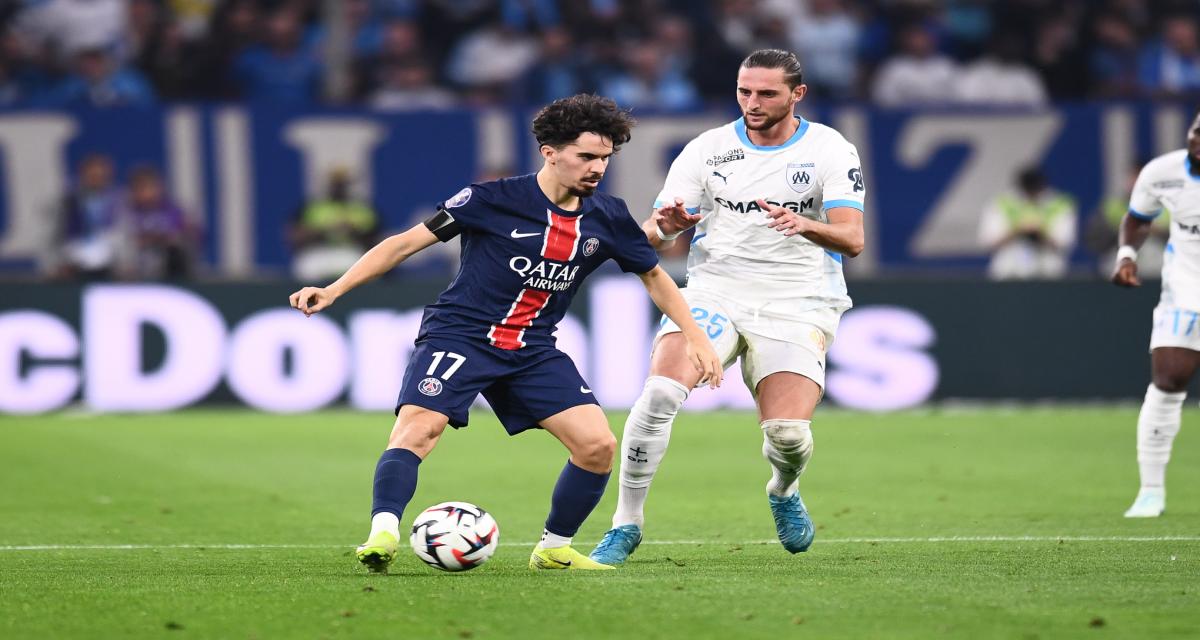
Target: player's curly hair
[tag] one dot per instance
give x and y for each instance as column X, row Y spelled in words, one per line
column 562, row 122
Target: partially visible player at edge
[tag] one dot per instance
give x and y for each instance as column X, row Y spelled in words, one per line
column 1170, row 181
column 527, row 243
column 776, row 201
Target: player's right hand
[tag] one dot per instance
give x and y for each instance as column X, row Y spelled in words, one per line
column 706, row 361
column 1125, row 275
column 310, row 300
column 674, row 218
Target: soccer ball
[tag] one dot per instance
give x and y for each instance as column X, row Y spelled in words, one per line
column 454, row 536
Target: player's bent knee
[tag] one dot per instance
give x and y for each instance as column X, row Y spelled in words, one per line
column 789, row 436
column 605, row 449
column 417, row 432
column 596, row 454
column 1171, row 382
column 661, row 398
column 418, row 440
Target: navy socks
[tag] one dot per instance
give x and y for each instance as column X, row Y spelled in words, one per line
column 576, row 494
column 395, row 481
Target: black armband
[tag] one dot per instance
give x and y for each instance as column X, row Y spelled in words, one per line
column 443, row 225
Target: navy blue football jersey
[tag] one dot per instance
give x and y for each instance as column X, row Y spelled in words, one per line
column 523, row 258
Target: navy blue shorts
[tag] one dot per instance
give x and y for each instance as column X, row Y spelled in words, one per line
column 523, row 387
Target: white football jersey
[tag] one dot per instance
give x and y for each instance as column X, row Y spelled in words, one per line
column 721, row 175
column 1166, row 182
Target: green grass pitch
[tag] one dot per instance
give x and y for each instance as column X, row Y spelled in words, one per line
column 940, row 523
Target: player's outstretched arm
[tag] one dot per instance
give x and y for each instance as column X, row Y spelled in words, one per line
column 667, row 222
column 382, row 258
column 700, row 351
column 843, row 233
column 1132, row 234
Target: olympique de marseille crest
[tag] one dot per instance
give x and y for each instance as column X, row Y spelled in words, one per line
column 799, row 176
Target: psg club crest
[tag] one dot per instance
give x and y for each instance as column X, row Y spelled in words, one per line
column 459, row 199
column 590, row 246
column 800, row 176
column 430, row 386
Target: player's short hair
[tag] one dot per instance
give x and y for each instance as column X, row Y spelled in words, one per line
column 562, row 122
column 793, row 74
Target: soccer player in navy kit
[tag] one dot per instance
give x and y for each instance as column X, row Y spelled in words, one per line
column 527, row 243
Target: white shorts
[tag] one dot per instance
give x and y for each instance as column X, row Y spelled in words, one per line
column 1175, row 327
column 766, row 344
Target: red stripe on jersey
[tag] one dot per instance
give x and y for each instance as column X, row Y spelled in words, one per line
column 509, row 333
column 562, row 237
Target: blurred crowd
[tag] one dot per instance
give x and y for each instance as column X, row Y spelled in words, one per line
column 104, row 228
column 108, row 228
column 661, row 54
column 650, row 54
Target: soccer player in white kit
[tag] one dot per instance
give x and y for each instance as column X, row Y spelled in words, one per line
column 776, row 201
column 1171, row 182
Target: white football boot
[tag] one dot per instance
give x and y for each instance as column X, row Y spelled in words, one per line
column 1150, row 503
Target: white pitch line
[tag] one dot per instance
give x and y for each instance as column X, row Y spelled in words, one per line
column 140, row 547
column 1015, row 539
column 931, row 540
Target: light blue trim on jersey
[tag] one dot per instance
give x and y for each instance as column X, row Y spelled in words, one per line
column 740, row 127
column 1170, row 248
column 837, row 257
column 697, row 237
column 841, row 203
column 1146, row 217
column 691, row 210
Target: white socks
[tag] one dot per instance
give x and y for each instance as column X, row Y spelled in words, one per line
column 385, row 521
column 787, row 445
column 1158, row 423
column 553, row 540
column 647, row 431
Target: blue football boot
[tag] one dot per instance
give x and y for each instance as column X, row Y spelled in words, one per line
column 792, row 523
column 617, row 545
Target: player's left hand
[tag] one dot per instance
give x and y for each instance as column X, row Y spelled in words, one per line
column 785, row 221
column 706, row 361
column 310, row 300
column 674, row 217
column 1126, row 274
